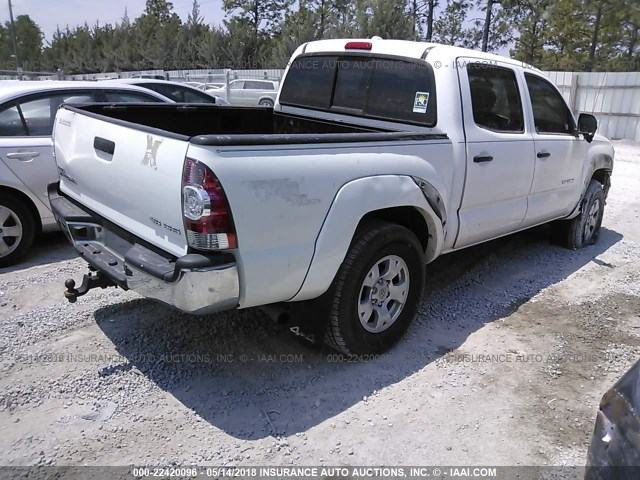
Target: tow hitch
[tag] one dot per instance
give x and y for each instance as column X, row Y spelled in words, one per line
column 89, row 281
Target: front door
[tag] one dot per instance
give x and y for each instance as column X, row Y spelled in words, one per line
column 559, row 154
column 500, row 151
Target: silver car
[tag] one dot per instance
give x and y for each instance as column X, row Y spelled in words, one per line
column 27, row 164
column 248, row 92
column 178, row 92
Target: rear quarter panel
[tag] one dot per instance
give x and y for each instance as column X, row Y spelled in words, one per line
column 280, row 197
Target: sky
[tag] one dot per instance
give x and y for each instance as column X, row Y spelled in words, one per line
column 50, row 13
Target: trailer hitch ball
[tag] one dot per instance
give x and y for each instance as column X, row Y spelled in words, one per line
column 71, row 293
column 88, row 282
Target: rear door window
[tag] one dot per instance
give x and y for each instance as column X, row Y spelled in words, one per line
column 257, row 85
column 495, row 98
column 11, row 123
column 39, row 113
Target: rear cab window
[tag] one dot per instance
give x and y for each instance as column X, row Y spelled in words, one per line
column 377, row 87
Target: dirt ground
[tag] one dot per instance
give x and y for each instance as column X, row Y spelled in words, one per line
column 515, row 343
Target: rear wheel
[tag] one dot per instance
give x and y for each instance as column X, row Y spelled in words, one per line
column 377, row 291
column 17, row 229
column 266, row 103
column 584, row 229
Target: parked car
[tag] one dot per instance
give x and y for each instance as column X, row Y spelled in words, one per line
column 326, row 208
column 149, row 76
column 204, row 86
column 27, row 166
column 248, row 92
column 198, row 85
column 614, row 453
column 178, row 92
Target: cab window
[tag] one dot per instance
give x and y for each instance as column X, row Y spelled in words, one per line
column 364, row 86
column 495, row 98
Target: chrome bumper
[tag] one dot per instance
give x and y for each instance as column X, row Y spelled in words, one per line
column 196, row 291
column 193, row 283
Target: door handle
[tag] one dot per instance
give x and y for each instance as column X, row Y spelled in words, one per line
column 104, row 145
column 23, row 155
column 482, row 158
column 543, row 154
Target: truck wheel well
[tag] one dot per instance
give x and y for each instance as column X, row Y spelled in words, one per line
column 408, row 217
column 601, row 175
column 604, row 177
column 28, row 203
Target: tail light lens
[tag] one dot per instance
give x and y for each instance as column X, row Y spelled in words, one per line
column 207, row 218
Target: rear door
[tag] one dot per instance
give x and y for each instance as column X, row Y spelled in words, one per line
column 559, row 153
column 128, row 175
column 237, row 94
column 500, row 153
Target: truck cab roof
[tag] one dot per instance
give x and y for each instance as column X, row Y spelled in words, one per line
column 406, row 49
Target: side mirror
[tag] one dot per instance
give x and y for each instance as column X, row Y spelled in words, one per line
column 587, row 126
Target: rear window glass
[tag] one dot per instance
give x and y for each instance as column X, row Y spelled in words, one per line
column 403, row 90
column 388, row 89
column 309, row 82
column 352, row 83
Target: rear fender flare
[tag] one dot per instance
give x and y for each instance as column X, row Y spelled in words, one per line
column 352, row 202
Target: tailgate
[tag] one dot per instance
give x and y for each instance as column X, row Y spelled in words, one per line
column 129, row 176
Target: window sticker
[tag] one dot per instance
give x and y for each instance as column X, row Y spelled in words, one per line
column 420, row 102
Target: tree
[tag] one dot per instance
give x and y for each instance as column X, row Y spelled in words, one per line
column 385, row 18
column 156, row 34
column 190, row 37
column 449, row 27
column 422, row 15
column 493, row 32
column 29, row 39
column 567, row 35
column 298, row 27
column 261, row 16
column 532, row 18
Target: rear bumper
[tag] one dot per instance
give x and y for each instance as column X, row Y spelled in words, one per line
column 192, row 283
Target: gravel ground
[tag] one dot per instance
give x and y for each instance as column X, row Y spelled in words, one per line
column 515, row 343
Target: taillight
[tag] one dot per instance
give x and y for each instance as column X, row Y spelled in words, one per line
column 207, row 218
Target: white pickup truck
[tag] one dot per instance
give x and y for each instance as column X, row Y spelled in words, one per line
column 378, row 156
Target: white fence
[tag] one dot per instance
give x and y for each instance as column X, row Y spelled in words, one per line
column 614, row 98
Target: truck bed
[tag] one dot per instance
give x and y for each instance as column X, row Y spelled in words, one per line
column 228, row 125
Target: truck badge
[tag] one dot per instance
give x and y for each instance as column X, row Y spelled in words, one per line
column 152, row 151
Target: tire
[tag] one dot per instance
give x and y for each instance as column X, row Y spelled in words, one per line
column 17, row 229
column 378, row 247
column 584, row 229
column 266, row 103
